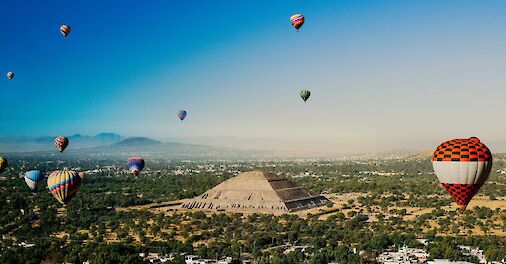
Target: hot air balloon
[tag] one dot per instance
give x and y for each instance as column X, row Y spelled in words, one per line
column 181, row 114
column 33, row 177
column 82, row 175
column 135, row 165
column 305, row 94
column 462, row 166
column 3, row 164
column 10, row 75
column 65, row 30
column 61, row 143
column 297, row 21
column 63, row 185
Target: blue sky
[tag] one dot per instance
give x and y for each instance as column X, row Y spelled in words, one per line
column 383, row 74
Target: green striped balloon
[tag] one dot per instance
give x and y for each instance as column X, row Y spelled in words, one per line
column 305, row 94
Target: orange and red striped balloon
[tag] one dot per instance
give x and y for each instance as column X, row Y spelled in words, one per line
column 297, row 21
column 65, row 30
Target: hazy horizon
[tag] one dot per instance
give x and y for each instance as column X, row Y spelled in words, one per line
column 303, row 146
column 383, row 74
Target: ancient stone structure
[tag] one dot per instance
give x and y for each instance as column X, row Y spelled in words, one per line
column 256, row 191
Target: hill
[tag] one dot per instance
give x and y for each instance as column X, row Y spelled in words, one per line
column 421, row 155
column 136, row 142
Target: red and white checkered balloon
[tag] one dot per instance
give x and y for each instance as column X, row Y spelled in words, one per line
column 462, row 166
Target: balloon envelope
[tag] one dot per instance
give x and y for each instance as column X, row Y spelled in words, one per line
column 297, row 21
column 135, row 165
column 61, row 143
column 65, row 30
column 3, row 164
column 462, row 166
column 305, row 94
column 10, row 75
column 181, row 114
column 63, row 185
column 33, row 177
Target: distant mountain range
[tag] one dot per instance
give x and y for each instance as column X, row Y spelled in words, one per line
column 136, row 145
column 114, row 144
column 77, row 141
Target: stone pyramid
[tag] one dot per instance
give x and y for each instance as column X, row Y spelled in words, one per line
column 256, row 191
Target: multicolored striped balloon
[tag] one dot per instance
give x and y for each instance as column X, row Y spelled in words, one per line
column 3, row 164
column 462, row 166
column 33, row 177
column 61, row 143
column 65, row 30
column 297, row 21
column 63, row 185
column 135, row 165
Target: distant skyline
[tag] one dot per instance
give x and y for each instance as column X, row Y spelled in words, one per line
column 383, row 74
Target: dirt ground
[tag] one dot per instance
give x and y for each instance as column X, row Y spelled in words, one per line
column 340, row 202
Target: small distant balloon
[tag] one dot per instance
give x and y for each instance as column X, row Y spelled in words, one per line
column 82, row 175
column 63, row 185
column 135, row 165
column 10, row 75
column 61, row 143
column 181, row 114
column 3, row 164
column 32, row 178
column 297, row 21
column 305, row 94
column 65, row 30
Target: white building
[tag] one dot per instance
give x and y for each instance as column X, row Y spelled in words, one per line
column 404, row 255
column 474, row 251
